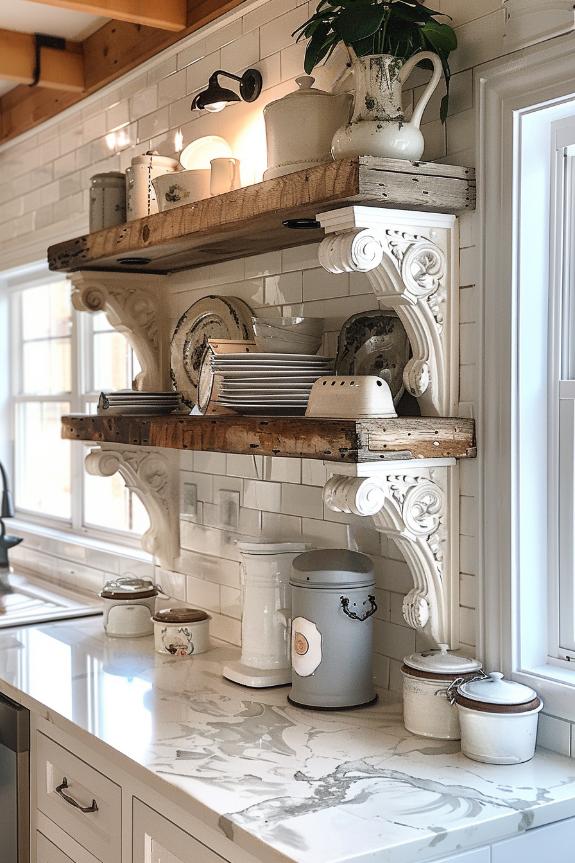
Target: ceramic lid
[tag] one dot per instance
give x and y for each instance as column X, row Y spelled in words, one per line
column 494, row 689
column 154, row 158
column 129, row 588
column 332, row 568
column 180, row 614
column 305, row 89
column 441, row 661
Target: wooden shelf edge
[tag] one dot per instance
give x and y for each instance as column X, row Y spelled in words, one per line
column 343, row 441
column 249, row 221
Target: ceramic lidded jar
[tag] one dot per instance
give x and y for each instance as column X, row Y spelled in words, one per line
column 140, row 193
column 129, row 604
column 498, row 719
column 181, row 631
column 300, row 127
column 427, row 676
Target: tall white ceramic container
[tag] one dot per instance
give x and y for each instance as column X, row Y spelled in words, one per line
column 141, row 198
column 265, row 659
column 107, row 200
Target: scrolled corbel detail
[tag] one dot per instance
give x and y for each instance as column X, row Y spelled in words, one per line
column 410, row 271
column 133, row 306
column 153, row 476
column 410, row 507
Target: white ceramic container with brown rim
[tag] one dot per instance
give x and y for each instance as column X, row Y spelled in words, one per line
column 181, row 631
column 129, row 604
column 498, row 719
column 427, row 710
column 141, row 198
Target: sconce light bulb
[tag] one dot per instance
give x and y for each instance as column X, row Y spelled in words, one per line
column 216, row 106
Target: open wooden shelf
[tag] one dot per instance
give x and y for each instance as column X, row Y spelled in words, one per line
column 249, row 221
column 351, row 441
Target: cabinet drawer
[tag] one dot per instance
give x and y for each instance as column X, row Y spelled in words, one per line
column 60, row 773
column 46, row 851
column 157, row 840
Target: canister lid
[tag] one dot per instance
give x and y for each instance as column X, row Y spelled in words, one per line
column 332, row 568
column 180, row 614
column 305, row 89
column 441, row 662
column 127, row 588
column 494, row 689
column 152, row 157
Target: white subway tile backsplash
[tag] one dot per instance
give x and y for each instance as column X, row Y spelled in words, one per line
column 144, row 102
column 198, row 73
column 242, row 52
column 154, row 124
column 265, row 496
column 303, row 500
column 277, row 34
column 172, row 88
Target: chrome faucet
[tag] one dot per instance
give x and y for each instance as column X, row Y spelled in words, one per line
column 6, row 511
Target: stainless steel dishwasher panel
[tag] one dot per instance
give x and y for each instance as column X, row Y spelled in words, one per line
column 14, row 782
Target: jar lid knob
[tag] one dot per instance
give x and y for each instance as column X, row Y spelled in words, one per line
column 443, row 649
column 495, row 676
column 305, row 82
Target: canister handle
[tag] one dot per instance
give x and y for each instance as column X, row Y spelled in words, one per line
column 353, row 614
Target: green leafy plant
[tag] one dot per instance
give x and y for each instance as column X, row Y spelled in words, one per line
column 397, row 27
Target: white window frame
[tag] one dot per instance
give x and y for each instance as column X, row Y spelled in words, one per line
column 79, row 398
column 513, row 429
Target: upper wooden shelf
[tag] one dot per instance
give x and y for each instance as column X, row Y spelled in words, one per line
column 348, row 441
column 249, row 221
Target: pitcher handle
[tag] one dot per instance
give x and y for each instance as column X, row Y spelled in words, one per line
column 406, row 70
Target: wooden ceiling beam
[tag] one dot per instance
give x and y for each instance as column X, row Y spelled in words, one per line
column 59, row 70
column 165, row 15
column 110, row 52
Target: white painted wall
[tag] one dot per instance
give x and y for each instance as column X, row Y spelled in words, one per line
column 43, row 198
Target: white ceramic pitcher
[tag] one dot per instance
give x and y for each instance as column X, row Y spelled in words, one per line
column 378, row 126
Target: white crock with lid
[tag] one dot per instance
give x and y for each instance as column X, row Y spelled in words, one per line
column 129, row 603
column 427, row 676
column 300, row 127
column 181, row 631
column 498, row 719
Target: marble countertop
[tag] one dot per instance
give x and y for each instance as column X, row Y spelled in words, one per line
column 285, row 784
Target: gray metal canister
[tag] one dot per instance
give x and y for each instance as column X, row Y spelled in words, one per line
column 332, row 629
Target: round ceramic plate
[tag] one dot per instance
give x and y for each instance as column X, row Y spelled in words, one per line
column 374, row 343
column 209, row 318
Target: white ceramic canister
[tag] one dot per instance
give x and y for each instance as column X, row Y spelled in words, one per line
column 141, row 198
column 300, row 127
column 181, row 631
column 427, row 676
column 498, row 719
column 225, row 175
column 107, row 200
column 129, row 604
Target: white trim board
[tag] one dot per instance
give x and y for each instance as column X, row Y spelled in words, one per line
column 514, row 279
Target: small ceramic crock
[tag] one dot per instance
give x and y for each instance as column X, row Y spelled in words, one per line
column 181, row 631
column 128, row 606
column 498, row 719
column 427, row 710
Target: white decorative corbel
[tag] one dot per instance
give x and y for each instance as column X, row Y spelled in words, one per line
column 411, row 261
column 152, row 474
column 135, row 306
column 412, row 503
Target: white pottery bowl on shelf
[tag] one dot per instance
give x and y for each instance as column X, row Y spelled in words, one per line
column 343, row 397
column 288, row 335
column 181, row 187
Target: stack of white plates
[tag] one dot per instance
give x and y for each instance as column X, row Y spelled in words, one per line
column 267, row 383
column 137, row 403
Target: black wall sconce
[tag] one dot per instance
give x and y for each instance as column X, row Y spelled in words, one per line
column 216, row 97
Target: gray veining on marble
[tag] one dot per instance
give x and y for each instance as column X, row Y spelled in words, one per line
column 283, row 783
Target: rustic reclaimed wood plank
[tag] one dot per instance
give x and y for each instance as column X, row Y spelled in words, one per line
column 348, row 441
column 249, row 221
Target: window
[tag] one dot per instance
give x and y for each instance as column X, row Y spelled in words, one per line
column 61, row 361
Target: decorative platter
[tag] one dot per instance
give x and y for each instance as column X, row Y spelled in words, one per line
column 374, row 343
column 209, row 318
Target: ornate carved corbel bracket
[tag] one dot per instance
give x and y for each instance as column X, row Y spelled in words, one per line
column 410, row 502
column 410, row 259
column 152, row 474
column 134, row 306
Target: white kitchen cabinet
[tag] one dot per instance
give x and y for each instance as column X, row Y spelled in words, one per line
column 555, row 843
column 82, row 801
column 157, row 840
column 46, row 851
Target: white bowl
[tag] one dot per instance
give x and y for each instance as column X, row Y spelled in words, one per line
column 181, row 187
column 288, row 335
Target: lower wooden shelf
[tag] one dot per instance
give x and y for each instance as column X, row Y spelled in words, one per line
column 347, row 441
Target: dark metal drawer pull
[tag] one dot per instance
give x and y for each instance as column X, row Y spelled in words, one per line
column 71, row 801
